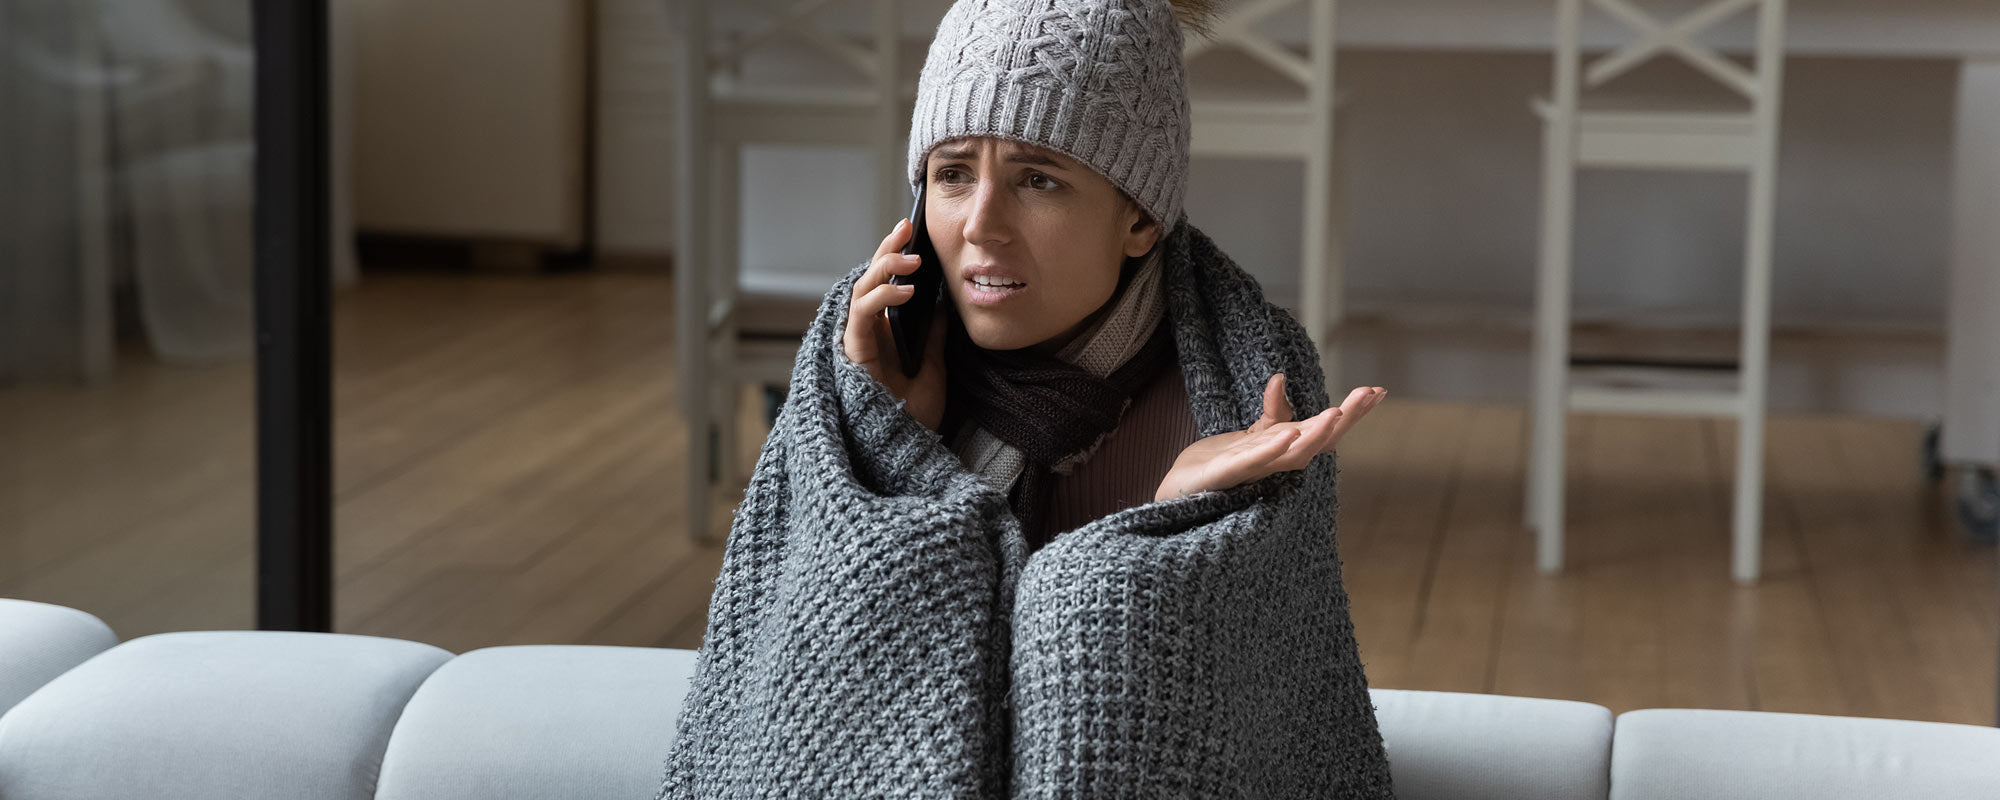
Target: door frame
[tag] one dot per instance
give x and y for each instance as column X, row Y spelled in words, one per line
column 294, row 320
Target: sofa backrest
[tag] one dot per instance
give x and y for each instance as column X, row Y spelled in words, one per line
column 223, row 714
column 39, row 641
column 1701, row 754
column 1453, row 746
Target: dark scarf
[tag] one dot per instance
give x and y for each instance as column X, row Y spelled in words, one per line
column 1054, row 412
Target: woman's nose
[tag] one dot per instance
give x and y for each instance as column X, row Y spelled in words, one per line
column 987, row 220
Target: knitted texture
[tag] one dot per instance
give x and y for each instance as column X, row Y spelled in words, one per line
column 1097, row 80
column 879, row 630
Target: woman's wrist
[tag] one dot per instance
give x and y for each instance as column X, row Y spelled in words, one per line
column 1171, row 488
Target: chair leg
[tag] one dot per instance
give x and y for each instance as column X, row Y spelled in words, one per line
column 1747, row 526
column 1320, row 259
column 774, row 402
column 693, row 203
column 1321, row 286
column 729, row 438
column 1545, row 501
column 1746, row 530
column 696, row 481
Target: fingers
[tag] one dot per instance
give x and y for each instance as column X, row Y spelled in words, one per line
column 893, row 243
column 888, row 260
column 1319, row 434
column 1359, row 402
column 873, row 292
column 872, row 304
column 1362, row 396
column 1253, row 458
column 1277, row 408
column 865, row 321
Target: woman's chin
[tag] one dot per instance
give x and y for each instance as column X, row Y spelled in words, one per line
column 995, row 334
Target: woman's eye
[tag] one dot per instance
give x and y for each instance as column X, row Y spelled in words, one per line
column 947, row 175
column 1041, row 182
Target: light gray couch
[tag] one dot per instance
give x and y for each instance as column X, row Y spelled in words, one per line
column 247, row 714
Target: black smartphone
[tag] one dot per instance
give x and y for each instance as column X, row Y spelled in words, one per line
column 910, row 322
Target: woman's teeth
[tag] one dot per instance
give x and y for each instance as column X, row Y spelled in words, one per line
column 992, row 292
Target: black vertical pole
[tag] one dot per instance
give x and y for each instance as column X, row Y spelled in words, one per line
column 294, row 350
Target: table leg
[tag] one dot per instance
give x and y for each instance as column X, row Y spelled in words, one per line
column 1972, row 351
column 1972, row 360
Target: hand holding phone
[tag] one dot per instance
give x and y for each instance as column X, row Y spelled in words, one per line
column 910, row 322
column 901, row 348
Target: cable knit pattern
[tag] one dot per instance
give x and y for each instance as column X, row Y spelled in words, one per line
column 879, row 630
column 1097, row 80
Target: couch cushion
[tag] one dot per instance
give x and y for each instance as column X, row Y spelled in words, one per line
column 539, row 721
column 217, row 714
column 1694, row 754
column 1456, row 746
column 39, row 641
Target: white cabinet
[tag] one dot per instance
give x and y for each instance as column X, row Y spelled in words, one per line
column 470, row 118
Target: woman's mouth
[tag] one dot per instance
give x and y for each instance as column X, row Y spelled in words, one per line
column 991, row 291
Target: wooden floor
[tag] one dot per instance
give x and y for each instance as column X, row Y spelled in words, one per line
column 508, row 462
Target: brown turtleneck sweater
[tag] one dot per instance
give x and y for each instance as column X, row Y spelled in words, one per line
column 1128, row 466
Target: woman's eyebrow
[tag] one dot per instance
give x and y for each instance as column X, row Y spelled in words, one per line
column 1036, row 159
column 1018, row 157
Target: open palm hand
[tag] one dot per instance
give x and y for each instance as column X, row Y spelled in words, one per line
column 1274, row 443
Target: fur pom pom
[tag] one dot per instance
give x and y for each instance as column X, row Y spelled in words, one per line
column 1198, row 16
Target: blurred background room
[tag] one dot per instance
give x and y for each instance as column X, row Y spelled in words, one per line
column 1686, row 307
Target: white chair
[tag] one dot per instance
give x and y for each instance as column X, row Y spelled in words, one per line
column 1590, row 131
column 735, row 327
column 1288, row 125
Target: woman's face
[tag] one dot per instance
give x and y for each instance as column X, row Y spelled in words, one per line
column 1032, row 241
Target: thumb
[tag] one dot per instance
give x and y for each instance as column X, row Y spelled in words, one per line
column 1277, row 407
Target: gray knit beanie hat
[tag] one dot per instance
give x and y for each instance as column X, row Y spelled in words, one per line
column 1099, row 81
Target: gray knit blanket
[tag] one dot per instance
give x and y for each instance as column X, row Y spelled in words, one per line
column 879, row 630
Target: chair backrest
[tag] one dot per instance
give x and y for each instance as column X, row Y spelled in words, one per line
column 1238, row 30
column 1656, row 37
column 859, row 99
column 869, row 61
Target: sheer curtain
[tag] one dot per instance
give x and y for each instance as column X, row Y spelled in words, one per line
column 182, row 155
column 55, row 289
column 126, row 152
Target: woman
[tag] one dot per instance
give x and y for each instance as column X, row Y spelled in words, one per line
column 1087, row 551
column 1034, row 247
